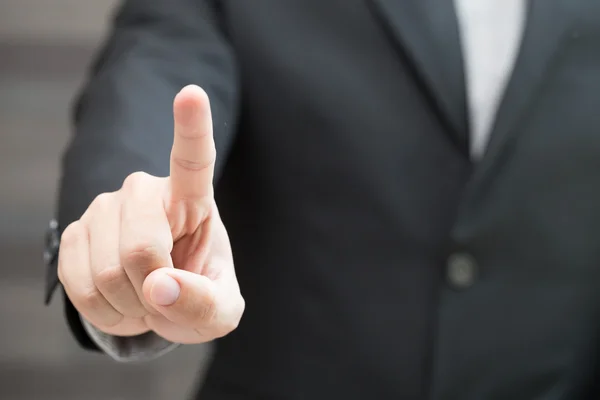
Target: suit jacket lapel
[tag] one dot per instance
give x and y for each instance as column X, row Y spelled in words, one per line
column 427, row 31
column 549, row 26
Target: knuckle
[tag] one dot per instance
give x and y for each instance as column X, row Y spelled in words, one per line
column 232, row 321
column 226, row 328
column 208, row 310
column 89, row 299
column 112, row 278
column 136, row 310
column 91, row 302
column 136, row 179
column 239, row 310
column 144, row 254
column 192, row 165
column 73, row 234
column 112, row 321
column 103, row 202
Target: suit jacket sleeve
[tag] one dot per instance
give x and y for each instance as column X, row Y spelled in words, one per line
column 123, row 118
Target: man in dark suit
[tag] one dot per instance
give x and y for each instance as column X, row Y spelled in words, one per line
column 410, row 191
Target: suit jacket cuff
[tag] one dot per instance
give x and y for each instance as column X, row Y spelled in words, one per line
column 145, row 347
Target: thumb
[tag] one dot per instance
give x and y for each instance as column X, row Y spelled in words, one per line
column 190, row 300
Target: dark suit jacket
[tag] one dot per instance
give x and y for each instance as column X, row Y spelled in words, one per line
column 375, row 259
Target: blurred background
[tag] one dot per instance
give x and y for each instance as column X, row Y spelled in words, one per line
column 45, row 47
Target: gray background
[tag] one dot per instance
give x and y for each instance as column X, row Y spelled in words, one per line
column 45, row 47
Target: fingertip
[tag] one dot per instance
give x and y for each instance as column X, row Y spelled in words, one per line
column 193, row 90
column 190, row 100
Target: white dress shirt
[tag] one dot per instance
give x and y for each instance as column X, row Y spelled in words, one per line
column 491, row 32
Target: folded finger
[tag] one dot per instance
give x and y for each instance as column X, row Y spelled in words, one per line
column 76, row 277
column 145, row 241
column 107, row 271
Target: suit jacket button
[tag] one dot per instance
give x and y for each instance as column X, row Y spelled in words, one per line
column 461, row 270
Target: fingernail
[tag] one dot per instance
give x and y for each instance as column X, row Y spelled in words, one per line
column 165, row 291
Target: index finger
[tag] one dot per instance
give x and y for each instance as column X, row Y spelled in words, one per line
column 193, row 153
